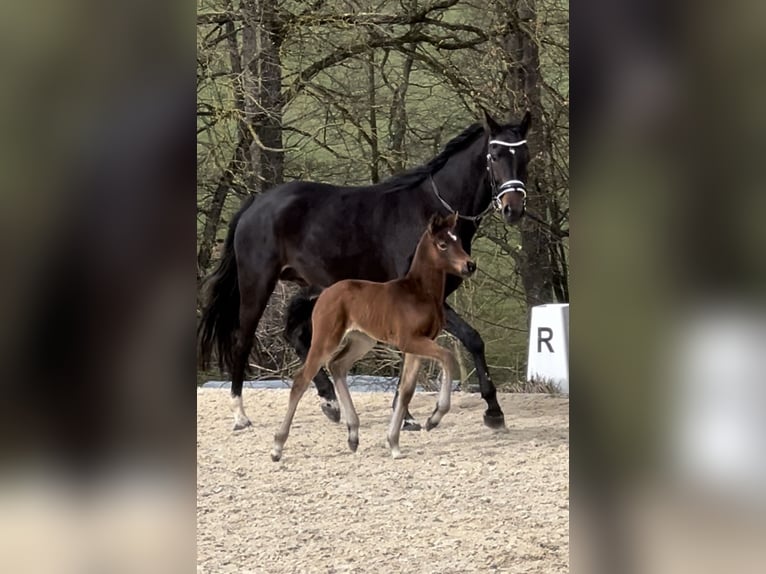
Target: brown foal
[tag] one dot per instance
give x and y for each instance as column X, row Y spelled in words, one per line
column 408, row 313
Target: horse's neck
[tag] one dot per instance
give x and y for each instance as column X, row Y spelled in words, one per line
column 462, row 179
column 429, row 279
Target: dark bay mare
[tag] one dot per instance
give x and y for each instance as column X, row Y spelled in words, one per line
column 352, row 315
column 317, row 234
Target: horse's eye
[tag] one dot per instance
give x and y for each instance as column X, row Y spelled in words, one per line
column 441, row 245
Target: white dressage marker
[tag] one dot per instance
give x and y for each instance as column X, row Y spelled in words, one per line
column 548, row 356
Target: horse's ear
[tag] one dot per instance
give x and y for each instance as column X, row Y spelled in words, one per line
column 524, row 125
column 435, row 224
column 489, row 122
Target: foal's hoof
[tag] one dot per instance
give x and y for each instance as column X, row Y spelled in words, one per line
column 331, row 411
column 353, row 445
column 494, row 420
column 275, row 456
column 411, row 425
column 242, row 424
column 431, row 425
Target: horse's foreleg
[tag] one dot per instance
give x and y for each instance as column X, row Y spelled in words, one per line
column 471, row 340
column 409, row 424
column 409, row 377
column 445, row 392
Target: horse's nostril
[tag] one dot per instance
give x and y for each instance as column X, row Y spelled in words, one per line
column 471, row 266
column 507, row 210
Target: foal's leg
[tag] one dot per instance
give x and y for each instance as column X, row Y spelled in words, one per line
column 357, row 346
column 301, row 381
column 409, row 378
column 317, row 356
column 471, row 340
column 429, row 349
column 409, row 424
column 300, row 339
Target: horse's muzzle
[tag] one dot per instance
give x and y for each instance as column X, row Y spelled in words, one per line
column 512, row 215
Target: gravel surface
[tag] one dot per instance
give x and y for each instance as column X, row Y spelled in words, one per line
column 465, row 498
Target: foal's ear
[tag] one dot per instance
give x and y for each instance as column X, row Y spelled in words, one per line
column 437, row 224
column 489, row 122
column 524, row 125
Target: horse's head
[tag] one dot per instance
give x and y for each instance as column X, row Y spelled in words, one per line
column 507, row 159
column 450, row 255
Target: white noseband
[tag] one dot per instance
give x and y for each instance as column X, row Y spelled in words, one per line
column 511, row 184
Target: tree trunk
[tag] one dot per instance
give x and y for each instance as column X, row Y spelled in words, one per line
column 262, row 39
column 535, row 265
column 398, row 124
column 240, row 161
column 374, row 151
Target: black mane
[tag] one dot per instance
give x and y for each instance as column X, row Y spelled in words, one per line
column 414, row 176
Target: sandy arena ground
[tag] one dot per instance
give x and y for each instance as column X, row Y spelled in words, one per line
column 465, row 499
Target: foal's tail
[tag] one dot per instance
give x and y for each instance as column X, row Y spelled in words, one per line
column 298, row 317
column 220, row 318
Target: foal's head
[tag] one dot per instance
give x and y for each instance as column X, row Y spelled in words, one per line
column 449, row 254
column 507, row 159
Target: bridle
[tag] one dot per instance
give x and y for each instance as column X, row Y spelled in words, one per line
column 511, row 184
column 497, row 192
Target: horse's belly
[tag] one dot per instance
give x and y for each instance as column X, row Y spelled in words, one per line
column 322, row 271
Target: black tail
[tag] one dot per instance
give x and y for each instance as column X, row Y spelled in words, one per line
column 220, row 318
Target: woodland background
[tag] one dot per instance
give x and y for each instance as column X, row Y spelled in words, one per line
column 350, row 92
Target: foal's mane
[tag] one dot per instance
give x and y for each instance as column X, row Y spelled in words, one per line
column 414, row 176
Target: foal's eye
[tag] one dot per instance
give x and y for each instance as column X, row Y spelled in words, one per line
column 441, row 245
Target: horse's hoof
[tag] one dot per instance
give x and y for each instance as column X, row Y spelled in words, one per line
column 353, row 445
column 430, row 425
column 331, row 411
column 494, row 421
column 242, row 424
column 411, row 425
column 275, row 456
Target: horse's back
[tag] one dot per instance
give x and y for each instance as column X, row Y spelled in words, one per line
column 280, row 213
column 319, row 233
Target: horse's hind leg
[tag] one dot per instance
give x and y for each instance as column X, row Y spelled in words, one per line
column 255, row 291
column 301, row 381
column 357, row 346
column 298, row 334
column 409, row 378
column 318, row 355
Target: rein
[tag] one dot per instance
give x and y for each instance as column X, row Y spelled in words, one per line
column 473, row 218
